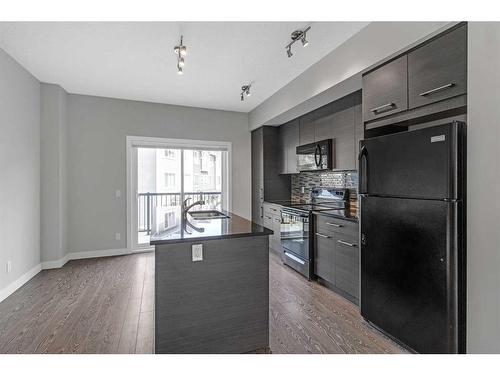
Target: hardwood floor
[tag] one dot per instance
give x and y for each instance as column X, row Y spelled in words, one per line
column 102, row 305
column 105, row 305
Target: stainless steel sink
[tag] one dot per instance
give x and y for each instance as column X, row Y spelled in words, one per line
column 210, row 214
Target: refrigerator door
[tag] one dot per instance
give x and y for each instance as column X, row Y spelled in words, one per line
column 409, row 271
column 422, row 164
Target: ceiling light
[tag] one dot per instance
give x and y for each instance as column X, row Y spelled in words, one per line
column 295, row 36
column 180, row 51
column 304, row 41
column 245, row 91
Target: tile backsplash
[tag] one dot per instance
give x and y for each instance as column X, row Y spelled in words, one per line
column 308, row 180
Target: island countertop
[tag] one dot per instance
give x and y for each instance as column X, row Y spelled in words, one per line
column 171, row 226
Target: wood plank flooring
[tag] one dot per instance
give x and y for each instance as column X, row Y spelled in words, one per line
column 106, row 305
column 102, row 305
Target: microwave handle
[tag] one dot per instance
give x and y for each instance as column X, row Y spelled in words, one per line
column 317, row 151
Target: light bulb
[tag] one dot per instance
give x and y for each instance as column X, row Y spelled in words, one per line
column 304, row 41
column 183, row 50
column 181, row 62
column 179, row 70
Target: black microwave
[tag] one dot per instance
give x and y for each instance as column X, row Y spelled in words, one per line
column 317, row 156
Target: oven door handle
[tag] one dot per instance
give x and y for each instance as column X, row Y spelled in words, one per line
column 293, row 257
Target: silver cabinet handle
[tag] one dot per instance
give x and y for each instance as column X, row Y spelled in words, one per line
column 268, row 217
column 347, row 243
column 278, row 220
column 440, row 88
column 322, row 235
column 273, row 209
column 377, row 109
column 334, row 225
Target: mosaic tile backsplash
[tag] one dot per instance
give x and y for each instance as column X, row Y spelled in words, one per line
column 308, row 180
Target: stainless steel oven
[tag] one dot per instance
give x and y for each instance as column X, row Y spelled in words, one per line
column 295, row 239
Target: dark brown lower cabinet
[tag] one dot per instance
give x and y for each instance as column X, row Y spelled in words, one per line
column 336, row 255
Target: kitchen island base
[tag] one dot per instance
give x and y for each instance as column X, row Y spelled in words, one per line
column 217, row 305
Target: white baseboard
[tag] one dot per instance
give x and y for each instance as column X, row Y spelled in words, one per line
column 50, row 264
column 16, row 284
column 143, row 250
column 12, row 287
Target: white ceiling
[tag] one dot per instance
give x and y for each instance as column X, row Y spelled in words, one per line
column 135, row 60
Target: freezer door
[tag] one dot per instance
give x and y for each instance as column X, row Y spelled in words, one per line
column 424, row 163
column 408, row 271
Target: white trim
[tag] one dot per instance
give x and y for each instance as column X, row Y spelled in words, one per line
column 50, row 264
column 134, row 141
column 83, row 255
column 146, row 249
column 16, row 284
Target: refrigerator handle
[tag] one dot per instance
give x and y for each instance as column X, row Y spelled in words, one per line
column 362, row 179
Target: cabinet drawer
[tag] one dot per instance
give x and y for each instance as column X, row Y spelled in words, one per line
column 438, row 69
column 347, row 264
column 267, row 221
column 324, row 256
column 385, row 90
column 330, row 224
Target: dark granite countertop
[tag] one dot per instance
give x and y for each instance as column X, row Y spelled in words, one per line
column 338, row 214
column 170, row 226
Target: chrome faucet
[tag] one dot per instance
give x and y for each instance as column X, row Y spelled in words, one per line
column 185, row 208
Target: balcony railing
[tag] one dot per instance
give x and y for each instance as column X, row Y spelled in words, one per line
column 147, row 201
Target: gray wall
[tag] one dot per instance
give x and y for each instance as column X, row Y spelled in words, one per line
column 97, row 128
column 373, row 43
column 53, row 123
column 19, row 169
column 483, row 216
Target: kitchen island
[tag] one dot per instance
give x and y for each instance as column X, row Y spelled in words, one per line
column 211, row 283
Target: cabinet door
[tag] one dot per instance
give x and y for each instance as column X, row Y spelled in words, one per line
column 438, row 70
column 283, row 148
column 306, row 129
column 385, row 90
column 291, row 142
column 324, row 257
column 343, row 134
column 347, row 264
column 359, row 129
column 323, row 125
column 257, row 175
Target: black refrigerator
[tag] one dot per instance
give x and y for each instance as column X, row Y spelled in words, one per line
column 412, row 188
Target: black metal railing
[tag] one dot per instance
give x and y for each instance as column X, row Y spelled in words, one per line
column 147, row 201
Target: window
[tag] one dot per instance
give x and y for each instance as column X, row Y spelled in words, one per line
column 170, row 181
column 169, row 154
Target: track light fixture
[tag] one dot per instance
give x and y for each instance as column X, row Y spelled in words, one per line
column 180, row 51
column 295, row 36
column 245, row 91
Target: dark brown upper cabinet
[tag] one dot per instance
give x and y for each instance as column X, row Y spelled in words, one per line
column 438, row 69
column 306, row 128
column 385, row 90
column 289, row 140
column 337, row 121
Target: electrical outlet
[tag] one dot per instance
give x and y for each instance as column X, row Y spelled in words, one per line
column 197, row 252
column 8, row 266
column 118, row 194
column 118, row 236
column 303, row 189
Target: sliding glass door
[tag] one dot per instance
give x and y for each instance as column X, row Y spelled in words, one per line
column 164, row 178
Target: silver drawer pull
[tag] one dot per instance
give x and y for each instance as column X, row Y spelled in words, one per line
column 385, row 106
column 334, row 225
column 278, row 220
column 444, row 87
column 270, row 218
column 322, row 235
column 273, row 209
column 347, row 243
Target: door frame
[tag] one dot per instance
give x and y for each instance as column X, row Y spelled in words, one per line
column 134, row 142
